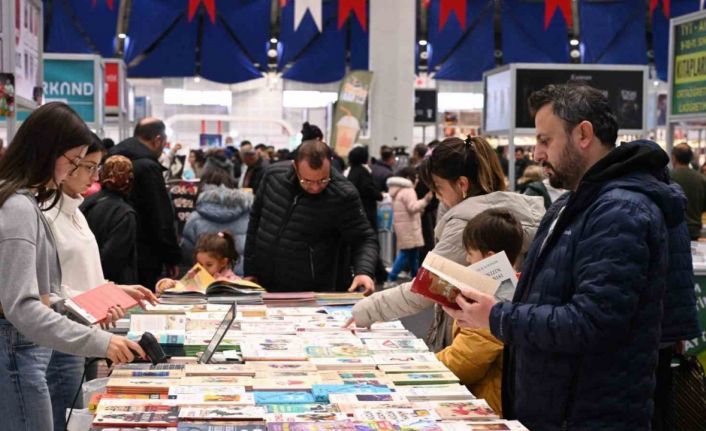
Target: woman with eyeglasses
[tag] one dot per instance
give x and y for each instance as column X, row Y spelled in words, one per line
column 49, row 146
column 81, row 271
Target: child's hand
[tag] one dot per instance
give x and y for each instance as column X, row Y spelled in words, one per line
column 165, row 284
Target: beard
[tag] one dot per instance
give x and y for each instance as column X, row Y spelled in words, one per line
column 567, row 172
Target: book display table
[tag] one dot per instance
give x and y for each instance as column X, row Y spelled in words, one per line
column 287, row 368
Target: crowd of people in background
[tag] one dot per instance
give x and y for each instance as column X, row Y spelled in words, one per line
column 600, row 232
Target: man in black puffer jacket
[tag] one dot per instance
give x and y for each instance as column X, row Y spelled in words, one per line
column 304, row 218
column 583, row 330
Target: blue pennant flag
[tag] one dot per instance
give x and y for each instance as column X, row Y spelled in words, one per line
column 660, row 32
column 524, row 38
column 81, row 26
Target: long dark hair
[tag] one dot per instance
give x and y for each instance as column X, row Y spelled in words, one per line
column 221, row 244
column 473, row 158
column 29, row 162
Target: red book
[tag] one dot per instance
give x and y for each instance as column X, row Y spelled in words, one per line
column 92, row 306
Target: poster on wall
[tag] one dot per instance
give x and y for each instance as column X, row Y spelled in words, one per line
column 71, row 82
column 27, row 43
column 687, row 69
column 112, row 87
column 350, row 110
column 183, row 193
column 7, row 95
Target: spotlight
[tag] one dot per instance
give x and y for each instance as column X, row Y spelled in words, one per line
column 273, row 41
column 574, row 42
column 422, row 42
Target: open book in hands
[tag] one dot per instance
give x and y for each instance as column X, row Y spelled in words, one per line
column 199, row 282
column 439, row 278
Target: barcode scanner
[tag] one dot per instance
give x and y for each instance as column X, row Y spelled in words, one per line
column 152, row 349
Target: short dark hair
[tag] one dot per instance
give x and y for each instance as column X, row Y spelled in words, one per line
column 311, row 132
column 261, row 147
column 358, row 156
column 199, row 156
column 217, row 177
column 575, row 102
column 314, row 152
column 96, row 145
column 386, row 152
column 150, row 129
column 108, row 143
column 420, row 150
column 682, row 153
column 494, row 230
column 245, row 142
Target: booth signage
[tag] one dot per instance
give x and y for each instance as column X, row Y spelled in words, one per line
column 71, row 82
column 425, row 106
column 112, row 86
column 688, row 71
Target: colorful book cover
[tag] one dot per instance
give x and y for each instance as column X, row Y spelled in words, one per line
column 342, row 351
column 219, row 426
column 361, row 398
column 301, row 408
column 362, row 363
column 395, row 415
column 134, row 413
column 223, row 413
column 283, row 397
column 396, row 345
column 424, row 378
column 468, row 410
column 321, row 392
column 403, row 358
column 417, row 367
column 306, row 417
column 436, row 392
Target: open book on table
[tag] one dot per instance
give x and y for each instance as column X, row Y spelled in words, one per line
column 439, row 278
column 199, row 282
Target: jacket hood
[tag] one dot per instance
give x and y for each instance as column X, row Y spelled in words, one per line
column 639, row 166
column 223, row 205
column 133, row 149
column 395, row 184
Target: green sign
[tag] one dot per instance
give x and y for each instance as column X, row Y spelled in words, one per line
column 689, row 67
column 350, row 110
column 71, row 82
column 697, row 346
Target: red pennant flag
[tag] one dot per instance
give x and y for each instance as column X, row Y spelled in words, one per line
column 448, row 6
column 210, row 6
column 550, row 9
column 666, row 6
column 110, row 3
column 359, row 9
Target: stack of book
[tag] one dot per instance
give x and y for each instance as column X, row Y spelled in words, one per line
column 198, row 286
column 300, row 371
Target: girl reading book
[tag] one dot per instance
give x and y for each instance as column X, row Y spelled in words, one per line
column 216, row 253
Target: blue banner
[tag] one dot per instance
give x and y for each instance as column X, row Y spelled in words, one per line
column 613, row 32
column 309, row 56
column 81, row 26
column 660, row 32
column 524, row 38
column 163, row 41
column 463, row 55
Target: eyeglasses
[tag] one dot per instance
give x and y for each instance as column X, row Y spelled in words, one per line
column 74, row 162
column 91, row 168
column 321, row 182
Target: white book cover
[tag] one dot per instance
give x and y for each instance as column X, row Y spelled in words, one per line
column 403, row 358
column 157, row 322
column 498, row 425
column 396, row 345
column 269, row 349
column 433, row 393
column 358, row 363
column 306, row 417
column 498, row 268
column 395, row 415
column 223, row 412
column 416, row 367
column 212, row 389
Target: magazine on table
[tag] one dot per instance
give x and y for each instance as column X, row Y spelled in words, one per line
column 198, row 282
column 439, row 278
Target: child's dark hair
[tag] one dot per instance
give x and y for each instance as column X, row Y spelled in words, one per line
column 494, row 230
column 221, row 244
column 407, row 172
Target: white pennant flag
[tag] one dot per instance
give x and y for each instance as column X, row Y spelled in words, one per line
column 300, row 8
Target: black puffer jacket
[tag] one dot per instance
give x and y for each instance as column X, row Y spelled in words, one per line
column 114, row 223
column 297, row 241
column 156, row 232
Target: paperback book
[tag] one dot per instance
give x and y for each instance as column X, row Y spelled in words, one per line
column 222, row 413
column 467, row 410
column 92, row 306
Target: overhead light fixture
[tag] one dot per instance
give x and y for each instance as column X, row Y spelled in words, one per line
column 422, row 42
column 272, row 53
column 273, row 40
column 575, row 53
column 574, row 42
column 122, row 36
column 197, row 79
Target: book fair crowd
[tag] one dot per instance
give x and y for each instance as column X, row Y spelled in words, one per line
column 599, row 233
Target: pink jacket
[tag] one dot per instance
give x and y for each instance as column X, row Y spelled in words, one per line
column 407, row 218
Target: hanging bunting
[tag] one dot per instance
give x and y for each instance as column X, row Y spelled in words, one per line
column 314, row 8
column 210, row 6
column 358, row 7
column 110, row 3
column 666, row 6
column 550, row 10
column 456, row 6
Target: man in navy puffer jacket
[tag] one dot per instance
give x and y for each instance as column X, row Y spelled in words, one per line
column 583, row 329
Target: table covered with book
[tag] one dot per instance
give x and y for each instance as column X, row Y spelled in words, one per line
column 288, row 367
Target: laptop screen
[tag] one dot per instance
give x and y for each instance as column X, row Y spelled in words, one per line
column 218, row 336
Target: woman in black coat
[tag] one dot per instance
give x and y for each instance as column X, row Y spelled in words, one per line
column 114, row 222
column 360, row 175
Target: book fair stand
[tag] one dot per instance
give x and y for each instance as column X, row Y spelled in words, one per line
column 687, row 107
column 117, row 97
column 506, row 90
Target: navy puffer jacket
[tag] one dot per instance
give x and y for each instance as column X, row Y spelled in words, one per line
column 583, row 329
